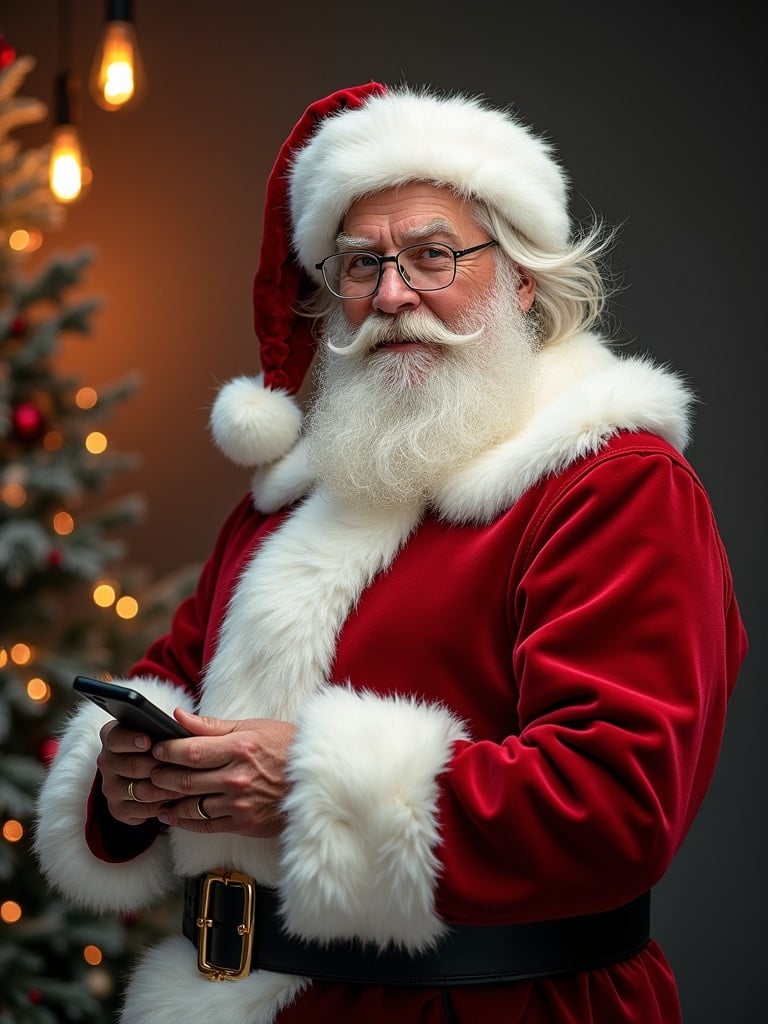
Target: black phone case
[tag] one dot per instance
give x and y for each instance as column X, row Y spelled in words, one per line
column 131, row 709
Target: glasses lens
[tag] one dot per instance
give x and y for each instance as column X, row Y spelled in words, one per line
column 428, row 267
column 352, row 275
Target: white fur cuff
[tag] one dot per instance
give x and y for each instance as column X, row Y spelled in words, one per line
column 360, row 847
column 60, row 844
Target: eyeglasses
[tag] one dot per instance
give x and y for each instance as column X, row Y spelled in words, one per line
column 426, row 267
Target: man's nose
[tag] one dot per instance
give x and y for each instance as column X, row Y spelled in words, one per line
column 393, row 294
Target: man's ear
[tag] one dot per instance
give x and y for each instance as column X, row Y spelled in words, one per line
column 526, row 289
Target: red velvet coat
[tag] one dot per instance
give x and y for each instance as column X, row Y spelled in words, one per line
column 518, row 696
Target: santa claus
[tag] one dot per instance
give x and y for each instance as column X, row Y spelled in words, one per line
column 456, row 670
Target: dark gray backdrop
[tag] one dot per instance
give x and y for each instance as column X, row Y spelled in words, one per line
column 657, row 109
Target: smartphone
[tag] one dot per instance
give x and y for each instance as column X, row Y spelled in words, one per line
column 131, row 709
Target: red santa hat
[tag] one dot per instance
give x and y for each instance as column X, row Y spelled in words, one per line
column 353, row 143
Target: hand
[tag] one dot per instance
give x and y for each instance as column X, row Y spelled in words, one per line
column 126, row 764
column 238, row 767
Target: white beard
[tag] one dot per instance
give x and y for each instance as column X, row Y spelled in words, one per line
column 385, row 428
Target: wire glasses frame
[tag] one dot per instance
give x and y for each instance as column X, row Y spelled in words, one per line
column 420, row 266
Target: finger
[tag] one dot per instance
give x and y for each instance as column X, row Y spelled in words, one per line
column 143, row 791
column 205, row 725
column 123, row 741
column 200, row 809
column 184, row 782
column 199, row 752
column 186, row 814
column 129, row 766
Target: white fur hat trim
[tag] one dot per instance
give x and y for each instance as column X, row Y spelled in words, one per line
column 404, row 135
column 254, row 425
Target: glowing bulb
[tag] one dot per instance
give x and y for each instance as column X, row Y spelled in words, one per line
column 13, row 494
column 96, row 442
column 86, row 398
column 117, row 74
column 127, row 607
column 104, row 595
column 10, row 912
column 92, row 955
column 23, row 240
column 63, row 524
column 13, row 830
column 38, row 690
column 21, row 654
column 68, row 172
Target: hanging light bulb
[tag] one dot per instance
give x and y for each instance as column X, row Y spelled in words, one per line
column 69, row 172
column 117, row 74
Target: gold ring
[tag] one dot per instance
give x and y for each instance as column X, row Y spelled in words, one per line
column 131, row 794
column 201, row 810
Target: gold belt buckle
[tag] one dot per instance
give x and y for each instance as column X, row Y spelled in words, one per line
column 245, row 930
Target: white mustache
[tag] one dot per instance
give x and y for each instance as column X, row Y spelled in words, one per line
column 410, row 326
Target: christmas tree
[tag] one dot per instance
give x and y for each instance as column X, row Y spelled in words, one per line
column 68, row 603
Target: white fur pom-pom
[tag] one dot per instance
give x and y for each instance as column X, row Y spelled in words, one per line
column 252, row 424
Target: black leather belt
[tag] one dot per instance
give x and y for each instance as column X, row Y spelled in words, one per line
column 235, row 926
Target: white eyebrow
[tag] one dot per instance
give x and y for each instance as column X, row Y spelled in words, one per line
column 435, row 227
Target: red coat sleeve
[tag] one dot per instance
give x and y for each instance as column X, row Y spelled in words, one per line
column 627, row 642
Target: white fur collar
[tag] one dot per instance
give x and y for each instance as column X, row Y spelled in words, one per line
column 586, row 394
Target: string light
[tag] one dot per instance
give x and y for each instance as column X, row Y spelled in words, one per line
column 96, row 442
column 14, row 495
column 127, row 607
column 13, row 830
column 38, row 690
column 3, row 657
column 10, row 912
column 86, row 398
column 92, row 955
column 104, row 595
column 23, row 240
column 63, row 524
column 21, row 654
column 117, row 76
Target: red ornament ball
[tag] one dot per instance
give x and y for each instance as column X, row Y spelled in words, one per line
column 18, row 326
column 34, row 996
column 54, row 558
column 47, row 750
column 27, row 422
column 7, row 53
